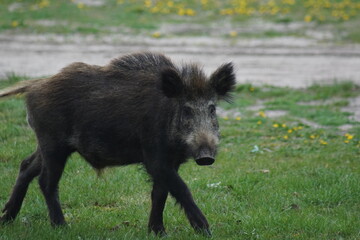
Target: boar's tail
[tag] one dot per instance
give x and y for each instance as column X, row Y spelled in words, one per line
column 21, row 87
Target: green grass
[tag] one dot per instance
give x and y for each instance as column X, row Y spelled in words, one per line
column 299, row 102
column 268, row 187
column 135, row 16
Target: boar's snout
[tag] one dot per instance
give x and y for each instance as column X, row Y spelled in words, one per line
column 205, row 153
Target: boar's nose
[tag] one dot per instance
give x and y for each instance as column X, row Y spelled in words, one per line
column 206, row 160
column 205, row 157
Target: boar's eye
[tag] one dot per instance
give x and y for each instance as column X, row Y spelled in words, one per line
column 187, row 112
column 212, row 109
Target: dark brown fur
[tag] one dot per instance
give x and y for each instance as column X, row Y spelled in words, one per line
column 140, row 108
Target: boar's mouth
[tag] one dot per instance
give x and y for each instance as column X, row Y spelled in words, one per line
column 203, row 161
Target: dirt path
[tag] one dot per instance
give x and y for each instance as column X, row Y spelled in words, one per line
column 278, row 61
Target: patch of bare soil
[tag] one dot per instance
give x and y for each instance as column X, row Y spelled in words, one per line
column 283, row 61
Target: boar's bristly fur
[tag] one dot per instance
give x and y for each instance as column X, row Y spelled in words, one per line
column 140, row 108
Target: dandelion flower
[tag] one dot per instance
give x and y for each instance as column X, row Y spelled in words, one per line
column 238, row 118
column 170, row 4
column 148, row 3
column 262, row 114
column 81, row 5
column 259, row 122
column 14, row 24
column 275, row 125
column 190, row 12
column 233, row 34
column 349, row 136
column 322, row 142
column 44, row 3
column 181, row 12
column 156, row 35
column 307, row 18
column 286, row 137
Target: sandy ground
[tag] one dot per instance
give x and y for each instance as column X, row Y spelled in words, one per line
column 285, row 61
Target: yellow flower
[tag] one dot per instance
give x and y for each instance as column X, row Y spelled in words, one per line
column 262, row 114
column 283, row 125
column 170, row 3
column 290, row 131
column 14, row 23
column 286, row 137
column 349, row 136
column 345, row 17
column 148, row 3
column 307, row 18
column 233, row 34
column 346, row 141
column 80, row 5
column 238, row 118
column 190, row 12
column 290, row 2
column 225, row 118
column 204, row 2
column 156, row 35
column 259, row 122
column 154, row 9
column 227, row 11
column 44, row 3
column 312, row 136
column 300, row 127
column 181, row 12
column 275, row 125
column 322, row 142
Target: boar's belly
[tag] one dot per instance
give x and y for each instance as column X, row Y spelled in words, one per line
column 112, row 152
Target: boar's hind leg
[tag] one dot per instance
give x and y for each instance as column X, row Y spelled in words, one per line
column 29, row 169
column 158, row 198
column 169, row 179
column 54, row 159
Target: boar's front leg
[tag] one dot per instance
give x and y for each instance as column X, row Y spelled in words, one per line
column 158, row 198
column 165, row 177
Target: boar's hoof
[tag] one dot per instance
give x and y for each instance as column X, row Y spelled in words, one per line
column 6, row 220
column 205, row 232
column 205, row 161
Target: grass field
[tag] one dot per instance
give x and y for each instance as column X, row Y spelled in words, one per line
column 274, row 178
column 340, row 17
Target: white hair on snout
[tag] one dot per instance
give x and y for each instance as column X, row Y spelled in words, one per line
column 200, row 138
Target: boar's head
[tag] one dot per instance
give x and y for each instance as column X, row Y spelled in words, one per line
column 194, row 124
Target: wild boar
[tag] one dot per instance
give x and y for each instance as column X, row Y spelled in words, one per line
column 140, row 108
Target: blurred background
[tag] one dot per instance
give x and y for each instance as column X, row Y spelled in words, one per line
column 278, row 42
column 288, row 164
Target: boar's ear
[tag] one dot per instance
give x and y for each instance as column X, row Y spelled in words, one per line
column 223, row 81
column 171, row 84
